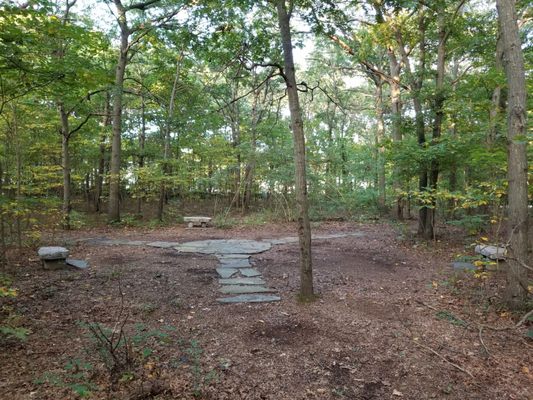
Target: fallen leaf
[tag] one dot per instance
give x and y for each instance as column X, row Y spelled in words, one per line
column 397, row 393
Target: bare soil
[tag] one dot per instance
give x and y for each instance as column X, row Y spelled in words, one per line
column 391, row 321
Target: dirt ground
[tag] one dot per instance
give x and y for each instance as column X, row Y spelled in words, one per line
column 392, row 321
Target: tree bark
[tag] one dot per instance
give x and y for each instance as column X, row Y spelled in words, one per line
column 304, row 226
column 396, row 108
column 65, row 164
column 106, row 121
column 142, row 140
column 517, row 164
column 113, row 213
column 380, row 138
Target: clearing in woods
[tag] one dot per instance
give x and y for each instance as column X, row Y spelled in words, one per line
column 392, row 320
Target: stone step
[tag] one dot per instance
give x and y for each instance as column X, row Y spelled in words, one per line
column 249, row 272
column 250, row 298
column 244, row 289
column 242, row 281
column 227, row 272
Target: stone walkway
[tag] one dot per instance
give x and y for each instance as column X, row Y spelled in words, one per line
column 237, row 276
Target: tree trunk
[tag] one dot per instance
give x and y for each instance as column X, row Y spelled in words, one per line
column 106, row 121
column 437, row 123
column 517, row 164
column 142, row 140
column 304, row 226
column 396, row 108
column 380, row 138
column 65, row 164
column 113, row 213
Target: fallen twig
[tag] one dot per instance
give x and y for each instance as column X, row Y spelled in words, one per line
column 482, row 342
column 524, row 318
column 444, row 359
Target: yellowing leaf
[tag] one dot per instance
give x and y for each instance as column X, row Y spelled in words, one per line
column 485, row 239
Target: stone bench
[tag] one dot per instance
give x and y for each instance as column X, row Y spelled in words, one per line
column 53, row 257
column 197, row 221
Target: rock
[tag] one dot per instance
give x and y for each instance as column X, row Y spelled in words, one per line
column 53, row 253
column 492, row 252
column 80, row 264
column 250, row 298
column 244, row 289
column 249, row 272
column 226, row 272
column 463, row 266
column 241, row 281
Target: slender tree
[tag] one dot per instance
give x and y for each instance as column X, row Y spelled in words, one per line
column 297, row 126
column 517, row 164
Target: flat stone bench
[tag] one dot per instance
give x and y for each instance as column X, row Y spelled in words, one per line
column 53, row 257
column 197, row 221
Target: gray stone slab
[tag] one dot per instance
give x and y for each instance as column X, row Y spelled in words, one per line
column 226, row 272
column 80, row 264
column 244, row 289
column 226, row 246
column 53, row 253
column 250, row 298
column 235, row 263
column 249, row 272
column 163, row 245
column 492, row 252
column 463, row 266
column 242, row 281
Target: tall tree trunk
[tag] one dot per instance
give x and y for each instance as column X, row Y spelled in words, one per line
column 380, row 138
column 142, row 140
column 304, row 226
column 113, row 213
column 65, row 164
column 106, row 121
column 437, row 123
column 517, row 164
column 396, row 108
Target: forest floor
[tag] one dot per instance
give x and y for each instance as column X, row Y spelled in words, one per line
column 392, row 321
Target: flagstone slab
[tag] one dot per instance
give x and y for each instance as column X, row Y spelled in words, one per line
column 224, row 246
column 249, row 272
column 80, row 264
column 227, row 272
column 242, row 281
column 463, row 266
column 244, row 289
column 250, row 298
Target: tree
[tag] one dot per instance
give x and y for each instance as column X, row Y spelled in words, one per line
column 517, row 164
column 297, row 127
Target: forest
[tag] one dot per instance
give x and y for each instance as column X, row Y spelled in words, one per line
column 396, row 132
